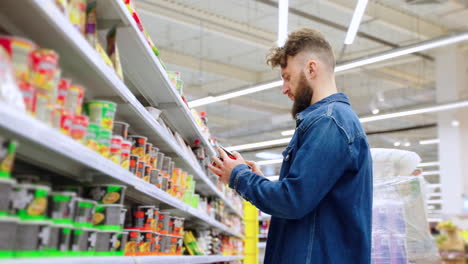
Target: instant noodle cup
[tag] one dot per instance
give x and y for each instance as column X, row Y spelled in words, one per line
column 19, row 50
column 29, row 96
column 33, row 238
column 115, row 149
column 62, row 91
column 83, row 241
column 164, row 222
column 160, row 160
column 101, row 112
column 62, row 120
column 154, row 157
column 74, row 100
column 84, row 212
column 165, row 243
column 148, row 149
column 178, row 229
column 104, row 142
column 154, row 177
column 30, row 201
column 147, row 173
column 92, row 134
column 106, row 193
column 121, row 129
column 166, row 166
column 164, row 181
column 107, row 217
column 135, row 239
column 138, row 146
column 125, row 154
column 44, row 71
column 61, row 207
column 8, row 231
column 59, row 240
column 7, row 157
column 79, row 128
column 149, row 241
column 110, row 243
column 44, row 109
column 146, row 217
column 133, row 164
column 140, row 169
column 122, row 239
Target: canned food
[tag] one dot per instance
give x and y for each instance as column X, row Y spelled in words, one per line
column 125, row 154
column 30, row 201
column 8, row 232
column 141, row 169
column 92, row 134
column 33, row 238
column 19, row 50
column 59, row 239
column 148, row 149
column 101, row 112
column 106, row 193
column 75, row 98
column 84, row 212
column 164, row 222
column 107, row 217
column 61, row 207
column 29, row 96
column 115, row 149
column 7, row 157
column 133, row 165
column 121, row 129
column 147, row 173
column 104, row 142
column 138, row 146
column 83, row 241
column 79, row 128
column 135, row 239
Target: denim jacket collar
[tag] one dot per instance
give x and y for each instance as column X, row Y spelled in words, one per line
column 338, row 97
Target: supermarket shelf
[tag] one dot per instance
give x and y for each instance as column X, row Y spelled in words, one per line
column 52, row 30
column 127, row 260
column 48, row 148
column 143, row 71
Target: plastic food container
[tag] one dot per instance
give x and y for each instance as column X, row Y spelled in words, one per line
column 110, row 243
column 125, row 154
column 178, row 229
column 32, row 239
column 84, row 212
column 101, row 112
column 149, row 242
column 104, row 142
column 133, row 242
column 164, row 183
column 123, row 213
column 6, row 188
column 59, row 239
column 29, row 96
column 154, row 177
column 30, row 201
column 146, row 217
column 148, row 149
column 165, row 244
column 123, row 238
column 133, row 164
column 75, row 98
column 106, row 193
column 91, row 138
column 107, row 217
column 147, row 173
column 116, row 149
column 160, row 161
column 19, row 50
column 121, row 129
column 138, row 146
column 153, row 161
column 62, row 91
column 44, row 72
column 44, row 108
column 167, row 165
column 140, row 169
column 8, row 231
column 79, row 128
column 7, row 157
column 164, row 222
column 62, row 119
column 61, row 207
column 83, row 242
column 179, row 246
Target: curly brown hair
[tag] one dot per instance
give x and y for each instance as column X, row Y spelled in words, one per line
column 298, row 41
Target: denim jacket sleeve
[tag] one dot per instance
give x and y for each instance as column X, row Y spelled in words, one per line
column 321, row 159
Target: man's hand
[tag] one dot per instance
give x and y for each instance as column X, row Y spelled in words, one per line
column 224, row 168
column 254, row 166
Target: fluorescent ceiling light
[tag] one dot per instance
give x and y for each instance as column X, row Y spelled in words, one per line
column 288, row 132
column 429, row 164
column 407, row 144
column 455, row 123
column 434, row 219
column 366, row 60
column 259, row 144
column 212, row 99
column 397, row 144
column 355, row 21
column 273, row 178
column 429, row 141
column 439, row 201
column 283, row 7
column 375, row 111
column 425, row 173
column 268, row 162
column 434, row 186
column 268, row 155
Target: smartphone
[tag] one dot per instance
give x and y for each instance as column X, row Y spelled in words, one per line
column 229, row 154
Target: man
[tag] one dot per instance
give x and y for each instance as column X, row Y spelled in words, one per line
column 321, row 206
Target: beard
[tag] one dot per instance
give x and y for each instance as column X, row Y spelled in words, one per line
column 303, row 97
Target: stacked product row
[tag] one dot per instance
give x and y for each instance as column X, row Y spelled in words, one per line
column 211, row 242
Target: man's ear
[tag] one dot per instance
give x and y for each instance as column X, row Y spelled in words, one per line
column 311, row 69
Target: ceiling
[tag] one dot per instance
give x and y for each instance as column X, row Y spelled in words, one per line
column 220, row 46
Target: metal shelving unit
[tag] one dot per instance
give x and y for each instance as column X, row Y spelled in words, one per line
column 52, row 30
column 129, row 260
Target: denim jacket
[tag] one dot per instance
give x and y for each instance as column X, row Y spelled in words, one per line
column 322, row 204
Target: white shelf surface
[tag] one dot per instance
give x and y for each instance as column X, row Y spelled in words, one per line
column 126, row 260
column 80, row 61
column 49, row 148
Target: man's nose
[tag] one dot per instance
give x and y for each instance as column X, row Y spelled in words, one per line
column 285, row 89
